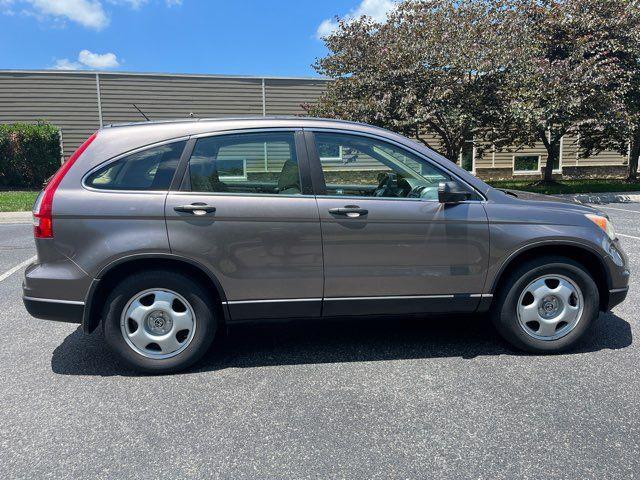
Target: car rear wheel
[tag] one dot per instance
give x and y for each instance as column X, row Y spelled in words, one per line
column 159, row 321
column 546, row 305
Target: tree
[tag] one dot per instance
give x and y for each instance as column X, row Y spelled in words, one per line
column 616, row 125
column 567, row 76
column 434, row 65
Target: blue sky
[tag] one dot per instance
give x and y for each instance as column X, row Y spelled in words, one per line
column 247, row 37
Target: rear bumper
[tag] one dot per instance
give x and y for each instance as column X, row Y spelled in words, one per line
column 617, row 296
column 55, row 290
column 58, row 310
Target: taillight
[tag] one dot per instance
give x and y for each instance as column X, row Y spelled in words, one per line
column 43, row 208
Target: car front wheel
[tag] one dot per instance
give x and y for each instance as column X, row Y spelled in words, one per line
column 546, row 305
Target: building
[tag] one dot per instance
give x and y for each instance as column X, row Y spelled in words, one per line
column 529, row 162
column 79, row 102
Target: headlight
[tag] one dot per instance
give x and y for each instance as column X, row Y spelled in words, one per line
column 603, row 223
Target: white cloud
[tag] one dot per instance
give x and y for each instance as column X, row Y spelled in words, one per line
column 88, row 59
column 66, row 64
column 6, row 7
column 135, row 4
column 88, row 13
column 96, row 60
column 326, row 28
column 376, row 9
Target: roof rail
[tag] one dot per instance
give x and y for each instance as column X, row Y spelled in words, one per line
column 226, row 119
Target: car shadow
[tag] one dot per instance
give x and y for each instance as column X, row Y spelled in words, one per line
column 335, row 341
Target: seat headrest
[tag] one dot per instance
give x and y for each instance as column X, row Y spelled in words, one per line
column 289, row 176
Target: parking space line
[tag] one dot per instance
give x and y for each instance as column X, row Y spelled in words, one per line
column 618, row 209
column 13, row 270
column 627, row 236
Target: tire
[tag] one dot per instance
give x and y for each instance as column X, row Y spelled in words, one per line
column 516, row 308
column 170, row 321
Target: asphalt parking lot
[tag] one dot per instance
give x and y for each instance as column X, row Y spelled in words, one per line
column 430, row 398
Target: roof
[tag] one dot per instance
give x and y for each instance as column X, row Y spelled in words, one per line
column 162, row 74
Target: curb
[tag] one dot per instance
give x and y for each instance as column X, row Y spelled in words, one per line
column 15, row 217
column 602, row 198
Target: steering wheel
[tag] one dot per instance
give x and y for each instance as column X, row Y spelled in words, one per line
column 416, row 192
column 387, row 185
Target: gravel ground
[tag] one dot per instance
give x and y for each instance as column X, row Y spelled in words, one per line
column 430, row 398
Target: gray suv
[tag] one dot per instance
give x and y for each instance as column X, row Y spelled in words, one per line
column 165, row 233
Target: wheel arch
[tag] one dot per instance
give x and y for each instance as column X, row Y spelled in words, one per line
column 113, row 272
column 585, row 256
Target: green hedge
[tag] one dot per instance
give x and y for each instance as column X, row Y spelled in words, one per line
column 29, row 154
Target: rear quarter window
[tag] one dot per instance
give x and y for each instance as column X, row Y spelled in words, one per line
column 150, row 169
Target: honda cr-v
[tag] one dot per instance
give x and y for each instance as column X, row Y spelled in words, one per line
column 163, row 233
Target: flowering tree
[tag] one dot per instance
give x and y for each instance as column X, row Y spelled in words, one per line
column 506, row 72
column 615, row 125
column 569, row 75
column 434, row 65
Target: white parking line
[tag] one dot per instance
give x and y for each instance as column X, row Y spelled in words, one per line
column 621, row 210
column 627, row 236
column 618, row 209
column 13, row 270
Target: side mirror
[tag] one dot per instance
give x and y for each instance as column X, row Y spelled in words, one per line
column 452, row 192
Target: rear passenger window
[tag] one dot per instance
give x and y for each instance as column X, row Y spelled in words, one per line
column 246, row 163
column 150, row 169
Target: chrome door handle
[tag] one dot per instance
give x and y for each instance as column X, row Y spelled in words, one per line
column 349, row 211
column 197, row 208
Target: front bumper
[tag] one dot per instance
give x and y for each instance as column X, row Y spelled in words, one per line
column 57, row 310
column 617, row 296
column 617, row 266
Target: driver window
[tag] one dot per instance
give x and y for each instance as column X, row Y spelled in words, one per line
column 363, row 166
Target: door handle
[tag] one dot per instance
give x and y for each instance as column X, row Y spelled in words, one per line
column 196, row 208
column 350, row 211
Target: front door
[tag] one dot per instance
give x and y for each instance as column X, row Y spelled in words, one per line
column 245, row 213
column 389, row 245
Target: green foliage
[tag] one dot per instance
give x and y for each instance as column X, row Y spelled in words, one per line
column 29, row 154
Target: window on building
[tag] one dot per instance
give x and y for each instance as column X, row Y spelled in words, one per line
column 526, row 163
column 245, row 163
column 150, row 169
column 466, row 156
column 232, row 168
column 557, row 161
column 329, row 151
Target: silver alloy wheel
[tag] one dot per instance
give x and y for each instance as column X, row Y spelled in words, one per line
column 158, row 323
column 550, row 307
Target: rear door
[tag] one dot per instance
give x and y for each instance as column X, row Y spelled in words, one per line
column 389, row 245
column 245, row 210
